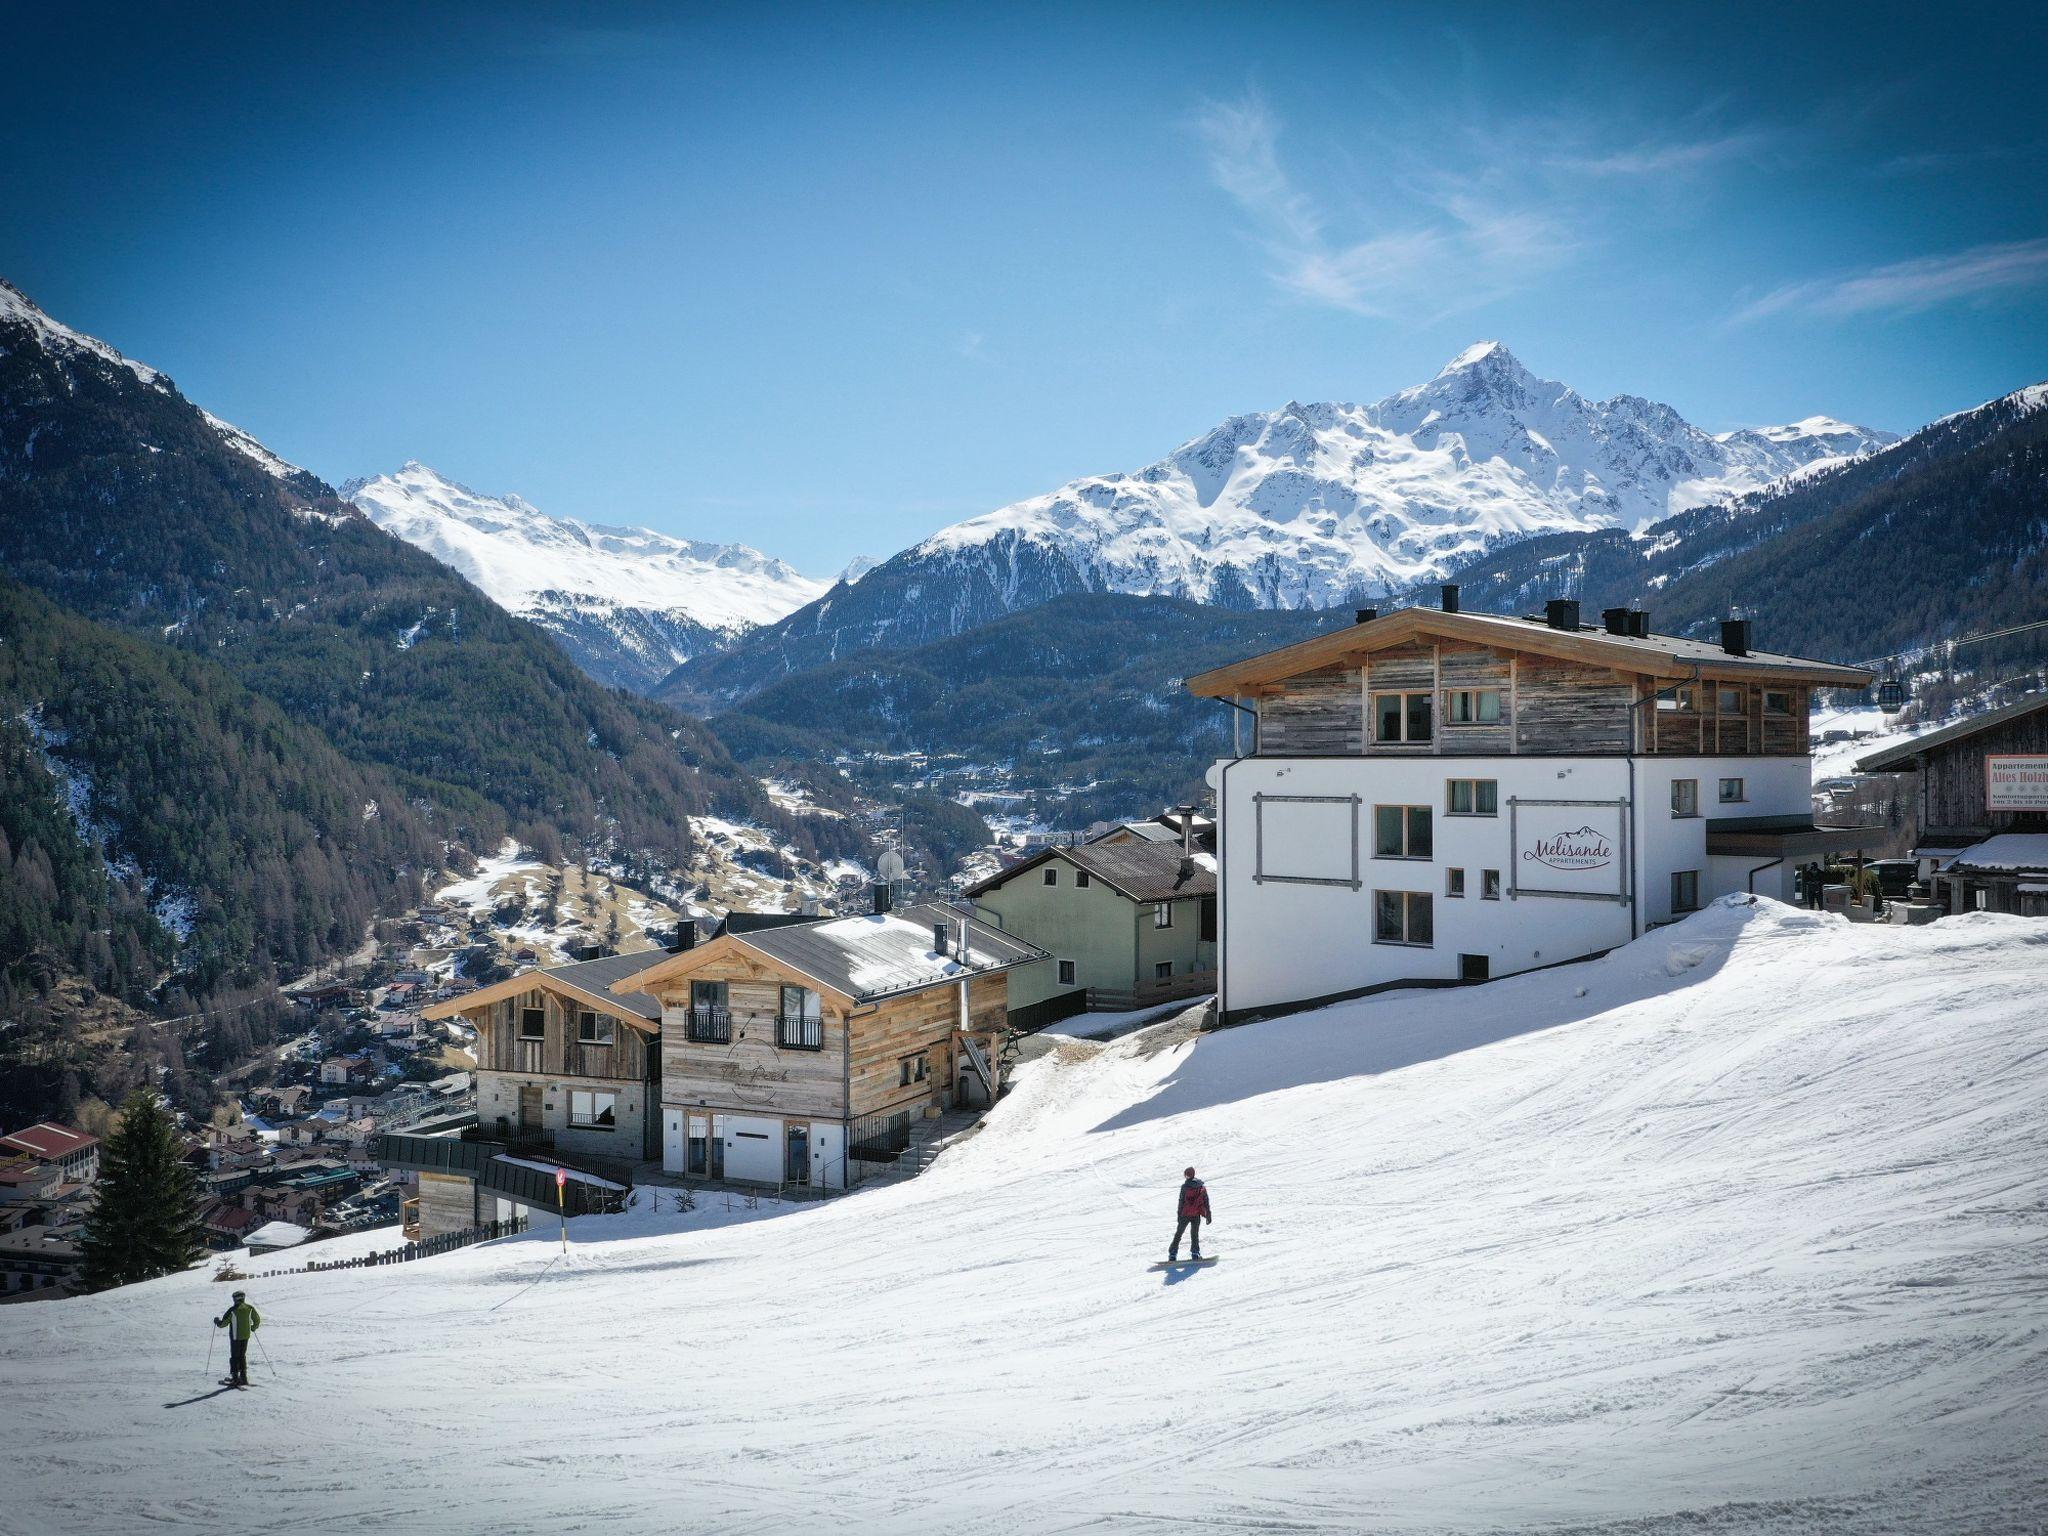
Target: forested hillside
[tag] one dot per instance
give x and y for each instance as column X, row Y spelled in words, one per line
column 1078, row 697
column 1942, row 533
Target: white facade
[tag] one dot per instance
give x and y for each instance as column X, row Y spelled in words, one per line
column 1582, row 850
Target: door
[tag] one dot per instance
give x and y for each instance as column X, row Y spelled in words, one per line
column 828, row 1154
column 796, row 1162
column 672, row 1141
column 529, row 1109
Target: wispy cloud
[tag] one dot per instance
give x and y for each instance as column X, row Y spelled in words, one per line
column 1669, row 157
column 1940, row 161
column 1904, row 287
column 1459, row 243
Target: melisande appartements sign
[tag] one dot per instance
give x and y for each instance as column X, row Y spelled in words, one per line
column 1581, row 848
column 1564, row 847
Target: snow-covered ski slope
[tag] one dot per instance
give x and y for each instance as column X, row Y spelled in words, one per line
column 1743, row 1228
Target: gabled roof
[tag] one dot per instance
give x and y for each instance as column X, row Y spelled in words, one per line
column 1905, row 752
column 589, row 981
column 49, row 1141
column 1137, row 871
column 1650, row 655
column 866, row 958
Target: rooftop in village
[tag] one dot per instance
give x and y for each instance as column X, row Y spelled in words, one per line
column 1622, row 640
column 48, row 1141
column 1139, row 870
column 881, row 954
column 1906, row 754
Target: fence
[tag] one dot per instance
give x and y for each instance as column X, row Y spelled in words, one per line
column 1049, row 1010
column 424, row 1248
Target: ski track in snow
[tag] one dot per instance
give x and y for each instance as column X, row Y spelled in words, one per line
column 1759, row 1246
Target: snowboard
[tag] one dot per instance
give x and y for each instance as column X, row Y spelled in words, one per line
column 1183, row 1264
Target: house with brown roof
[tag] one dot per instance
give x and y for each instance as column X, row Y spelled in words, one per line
column 1439, row 796
column 74, row 1152
column 1124, row 921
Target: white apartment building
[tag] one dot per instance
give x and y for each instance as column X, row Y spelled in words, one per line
column 1437, row 796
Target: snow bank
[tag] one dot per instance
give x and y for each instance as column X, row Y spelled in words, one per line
column 1755, row 1246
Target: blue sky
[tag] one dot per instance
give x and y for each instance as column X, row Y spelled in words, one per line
column 824, row 279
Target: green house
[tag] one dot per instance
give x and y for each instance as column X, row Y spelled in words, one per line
column 1129, row 922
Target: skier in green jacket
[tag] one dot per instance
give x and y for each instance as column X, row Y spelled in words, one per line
column 240, row 1320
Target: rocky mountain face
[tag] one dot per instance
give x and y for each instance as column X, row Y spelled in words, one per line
column 1309, row 506
column 1858, row 559
column 629, row 605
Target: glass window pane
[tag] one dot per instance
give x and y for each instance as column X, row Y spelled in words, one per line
column 1418, row 716
column 1421, row 924
column 607, row 1110
column 1419, row 846
column 1386, row 910
column 1461, row 797
column 1387, row 830
column 1487, row 798
column 1387, row 709
column 1489, row 706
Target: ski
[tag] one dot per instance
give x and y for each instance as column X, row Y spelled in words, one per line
column 1182, row 1264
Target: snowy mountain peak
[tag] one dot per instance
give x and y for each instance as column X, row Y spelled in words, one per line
column 60, row 341
column 1311, row 504
column 630, row 603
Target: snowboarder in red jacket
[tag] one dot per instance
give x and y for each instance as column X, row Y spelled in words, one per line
column 1194, row 1210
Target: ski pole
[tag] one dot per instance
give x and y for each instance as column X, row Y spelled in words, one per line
column 209, row 1351
column 258, row 1337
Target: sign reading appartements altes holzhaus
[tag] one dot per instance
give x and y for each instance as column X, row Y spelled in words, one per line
column 1437, row 795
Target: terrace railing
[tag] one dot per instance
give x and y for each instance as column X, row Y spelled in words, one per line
column 709, row 1026
column 799, row 1032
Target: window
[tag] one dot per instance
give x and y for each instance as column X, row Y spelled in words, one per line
column 593, row 1028
column 1454, row 882
column 1731, row 701
column 913, row 1069
column 1473, row 797
column 1685, row 797
column 1162, row 914
column 1474, row 706
column 1731, row 792
column 1163, row 971
column 1685, row 890
column 593, row 1111
column 1474, row 968
column 1402, row 917
column 1051, row 875
column 1679, row 699
column 1066, row 972
column 710, row 1019
column 533, row 1023
column 1776, row 703
column 1401, row 832
column 800, row 1020
column 1081, row 881
column 1401, row 717
column 1489, row 885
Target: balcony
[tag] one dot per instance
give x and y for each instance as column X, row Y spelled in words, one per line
column 709, row 1026
column 796, row 1032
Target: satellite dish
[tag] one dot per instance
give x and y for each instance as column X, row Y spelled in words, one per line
column 890, row 866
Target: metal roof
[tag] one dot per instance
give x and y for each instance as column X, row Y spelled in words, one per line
column 1140, row 871
column 1903, row 754
column 1659, row 655
column 881, row 954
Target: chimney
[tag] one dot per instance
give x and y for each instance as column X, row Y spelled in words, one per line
column 1617, row 621
column 1187, row 830
column 1735, row 636
column 882, row 902
column 1450, row 597
column 1639, row 623
column 1562, row 613
column 1367, row 615
column 939, row 938
column 686, row 936
column 966, row 958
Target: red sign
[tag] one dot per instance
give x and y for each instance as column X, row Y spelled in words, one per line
column 561, row 1178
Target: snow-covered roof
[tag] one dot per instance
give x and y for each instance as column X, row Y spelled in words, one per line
column 880, row 954
column 278, row 1234
column 2009, row 850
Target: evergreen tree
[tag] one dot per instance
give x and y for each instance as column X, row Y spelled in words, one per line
column 146, row 1221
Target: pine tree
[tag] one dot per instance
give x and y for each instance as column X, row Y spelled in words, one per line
column 146, row 1221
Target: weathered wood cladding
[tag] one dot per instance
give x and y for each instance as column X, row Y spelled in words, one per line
column 1952, row 788
column 1318, row 714
column 1547, row 705
column 859, row 1069
column 922, row 1023
column 750, row 1071
column 558, row 1053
